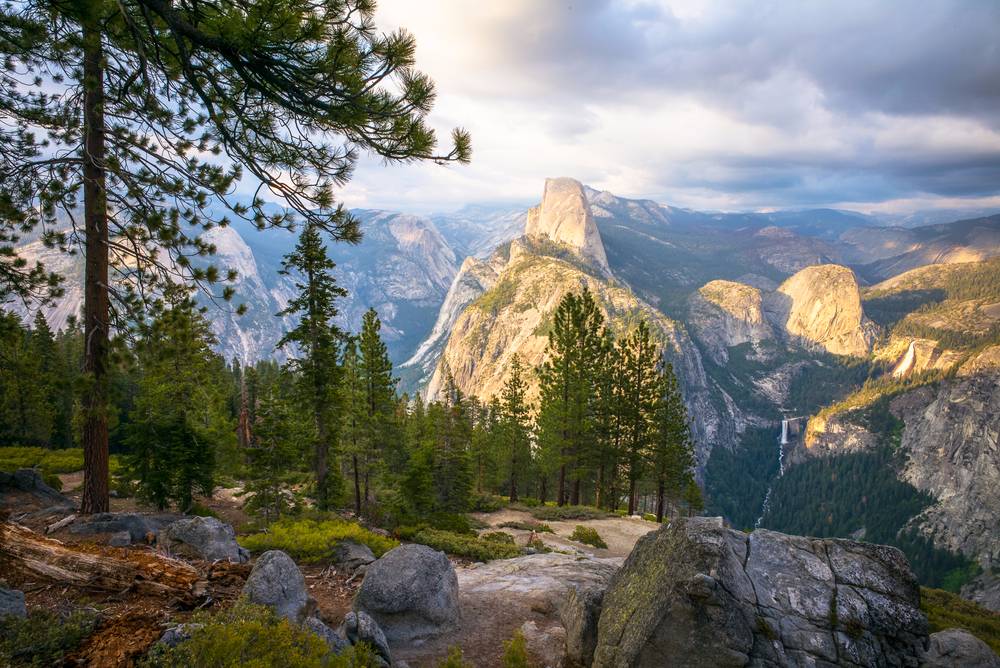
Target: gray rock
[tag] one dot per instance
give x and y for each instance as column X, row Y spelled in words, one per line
column 174, row 636
column 958, row 647
column 277, row 582
column 351, row 555
column 579, row 615
column 138, row 526
column 719, row 597
column 120, row 539
column 12, row 603
column 547, row 644
column 334, row 640
column 360, row 627
column 984, row 590
column 412, row 592
column 204, row 538
column 30, row 480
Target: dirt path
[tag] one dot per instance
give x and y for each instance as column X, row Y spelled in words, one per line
column 620, row 533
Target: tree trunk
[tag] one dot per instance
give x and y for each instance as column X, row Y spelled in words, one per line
column 513, row 481
column 659, row 500
column 357, row 486
column 543, row 490
column 111, row 569
column 575, row 498
column 631, row 497
column 561, row 492
column 599, row 488
column 96, row 307
column 322, row 465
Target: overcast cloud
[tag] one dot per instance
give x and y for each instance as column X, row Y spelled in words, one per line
column 722, row 105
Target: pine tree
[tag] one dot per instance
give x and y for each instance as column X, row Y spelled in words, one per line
column 672, row 455
column 353, row 431
column 451, row 425
column 379, row 391
column 179, row 420
column 25, row 414
column 609, row 391
column 515, row 414
column 133, row 93
column 317, row 339
column 640, row 388
column 273, row 453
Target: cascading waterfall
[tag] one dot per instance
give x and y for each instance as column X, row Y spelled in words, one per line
column 782, row 442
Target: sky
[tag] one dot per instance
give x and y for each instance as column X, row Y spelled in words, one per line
column 874, row 106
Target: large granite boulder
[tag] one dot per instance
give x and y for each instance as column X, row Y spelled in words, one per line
column 580, row 615
column 957, row 647
column 140, row 527
column 361, row 628
column 719, row 597
column 351, row 556
column 333, row 640
column 411, row 592
column 12, row 603
column 204, row 538
column 277, row 582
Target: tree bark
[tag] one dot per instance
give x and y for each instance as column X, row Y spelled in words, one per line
column 561, row 493
column 659, row 501
column 111, row 569
column 631, row 497
column 96, row 307
column 575, row 498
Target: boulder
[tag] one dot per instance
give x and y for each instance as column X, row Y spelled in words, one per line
column 412, row 592
column 958, row 647
column 174, row 636
column 546, row 644
column 720, row 597
column 360, row 627
column 120, row 539
column 204, row 538
column 138, row 526
column 277, row 582
column 31, row 481
column 12, row 603
column 579, row 616
column 334, row 640
column 351, row 555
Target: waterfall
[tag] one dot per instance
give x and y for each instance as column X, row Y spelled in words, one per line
column 907, row 362
column 782, row 442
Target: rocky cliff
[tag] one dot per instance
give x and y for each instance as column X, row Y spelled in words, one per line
column 564, row 216
column 724, row 314
column 820, row 307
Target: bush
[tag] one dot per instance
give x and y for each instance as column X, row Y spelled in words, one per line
column 562, row 513
column 464, row 545
column 455, row 659
column 254, row 635
column 488, row 503
column 529, row 501
column 314, row 540
column 202, row 511
column 530, row 525
column 498, row 537
column 649, row 517
column 49, row 461
column 43, row 638
column 515, row 652
column 945, row 610
column 588, row 536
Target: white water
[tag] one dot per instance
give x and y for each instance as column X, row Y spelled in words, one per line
column 781, row 471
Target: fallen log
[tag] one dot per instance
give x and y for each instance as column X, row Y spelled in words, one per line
column 55, row 526
column 100, row 568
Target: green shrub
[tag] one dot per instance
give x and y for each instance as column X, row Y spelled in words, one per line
column 202, row 511
column 43, row 638
column 498, row 537
column 254, row 635
column 455, row 659
column 538, row 545
column 649, row 517
column 588, row 536
column 945, row 610
column 314, row 540
column 53, row 481
column 563, row 513
column 515, row 652
column 488, row 503
column 529, row 525
column 530, row 501
column 454, row 522
column 464, row 545
column 49, row 462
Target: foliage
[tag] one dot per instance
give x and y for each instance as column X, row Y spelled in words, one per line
column 49, row 461
column 737, row 481
column 254, row 635
column 42, row 638
column 498, row 537
column 539, row 527
column 455, row 659
column 588, row 536
column 563, row 513
column 515, row 652
column 946, row 610
column 314, row 540
column 487, row 503
column 465, row 545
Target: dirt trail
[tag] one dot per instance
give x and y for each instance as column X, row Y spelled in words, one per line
column 620, row 533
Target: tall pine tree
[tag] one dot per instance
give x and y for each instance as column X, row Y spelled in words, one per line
column 515, row 425
column 640, row 388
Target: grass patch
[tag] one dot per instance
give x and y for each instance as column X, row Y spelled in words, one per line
column 528, row 525
column 466, row 545
column 588, row 536
column 254, row 635
column 42, row 638
column 50, row 462
column 945, row 610
column 314, row 540
column 563, row 513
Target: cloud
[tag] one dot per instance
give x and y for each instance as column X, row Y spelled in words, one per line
column 720, row 104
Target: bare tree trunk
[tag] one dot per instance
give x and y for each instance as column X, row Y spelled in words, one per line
column 631, row 497
column 96, row 306
column 659, row 501
column 543, row 490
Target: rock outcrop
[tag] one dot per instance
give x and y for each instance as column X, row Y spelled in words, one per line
column 361, row 628
column 205, row 538
column 820, row 307
column 957, row 647
column 12, row 603
column 719, row 597
column 277, row 582
column 724, row 314
column 564, row 217
column 140, row 527
column 411, row 593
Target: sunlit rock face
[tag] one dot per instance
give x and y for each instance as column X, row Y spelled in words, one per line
column 564, row 216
